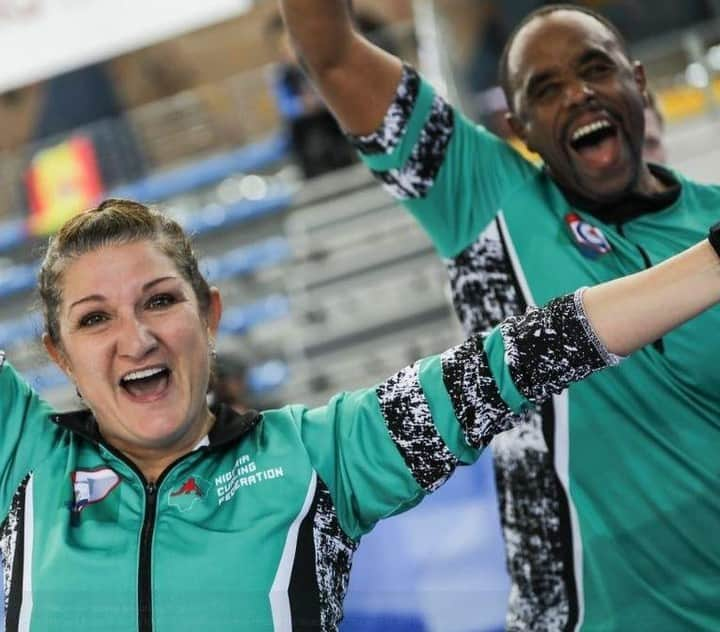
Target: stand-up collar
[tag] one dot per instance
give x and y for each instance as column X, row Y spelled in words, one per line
column 229, row 426
column 634, row 204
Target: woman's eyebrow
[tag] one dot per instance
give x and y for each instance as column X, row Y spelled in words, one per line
column 85, row 299
column 154, row 282
column 100, row 297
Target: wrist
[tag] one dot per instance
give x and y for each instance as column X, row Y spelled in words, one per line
column 714, row 237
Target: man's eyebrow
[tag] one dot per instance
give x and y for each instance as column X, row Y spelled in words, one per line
column 100, row 297
column 537, row 80
column 592, row 55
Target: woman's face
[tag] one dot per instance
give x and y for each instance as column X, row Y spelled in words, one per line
column 136, row 345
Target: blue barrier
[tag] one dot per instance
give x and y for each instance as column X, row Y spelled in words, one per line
column 201, row 173
column 243, row 260
column 268, row 376
column 246, row 259
column 46, row 378
column 20, row 331
column 204, row 172
column 13, row 233
column 18, row 278
column 238, row 320
column 216, row 216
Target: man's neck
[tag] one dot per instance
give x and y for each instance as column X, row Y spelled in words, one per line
column 657, row 189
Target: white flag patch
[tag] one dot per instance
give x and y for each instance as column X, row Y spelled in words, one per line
column 92, row 486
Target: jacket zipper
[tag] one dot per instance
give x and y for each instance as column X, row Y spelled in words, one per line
column 146, row 536
column 659, row 344
column 144, row 570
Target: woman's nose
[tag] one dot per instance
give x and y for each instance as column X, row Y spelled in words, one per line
column 136, row 339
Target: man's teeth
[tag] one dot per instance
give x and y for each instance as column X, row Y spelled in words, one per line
column 589, row 129
column 141, row 375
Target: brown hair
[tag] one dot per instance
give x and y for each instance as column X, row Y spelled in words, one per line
column 114, row 222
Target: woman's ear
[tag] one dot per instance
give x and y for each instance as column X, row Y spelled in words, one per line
column 214, row 312
column 56, row 354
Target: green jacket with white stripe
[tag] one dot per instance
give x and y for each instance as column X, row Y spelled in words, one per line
column 608, row 492
column 255, row 529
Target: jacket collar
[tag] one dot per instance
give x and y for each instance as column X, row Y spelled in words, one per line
column 229, row 426
column 632, row 205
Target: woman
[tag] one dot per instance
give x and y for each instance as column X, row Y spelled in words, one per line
column 151, row 511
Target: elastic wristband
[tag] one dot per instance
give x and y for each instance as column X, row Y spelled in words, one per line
column 714, row 237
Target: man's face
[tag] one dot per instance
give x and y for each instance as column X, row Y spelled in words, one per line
column 577, row 101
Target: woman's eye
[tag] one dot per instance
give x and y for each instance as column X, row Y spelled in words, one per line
column 90, row 320
column 161, row 300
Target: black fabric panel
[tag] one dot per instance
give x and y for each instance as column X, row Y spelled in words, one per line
column 386, row 138
column 474, row 393
column 410, row 423
column 417, row 176
column 335, row 550
column 13, row 528
column 564, row 545
column 549, row 348
column 303, row 591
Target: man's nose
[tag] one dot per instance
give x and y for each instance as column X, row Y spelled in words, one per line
column 578, row 92
column 136, row 339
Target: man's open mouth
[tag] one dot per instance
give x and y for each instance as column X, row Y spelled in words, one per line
column 146, row 384
column 597, row 143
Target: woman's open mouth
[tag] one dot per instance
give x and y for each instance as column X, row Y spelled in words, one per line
column 145, row 385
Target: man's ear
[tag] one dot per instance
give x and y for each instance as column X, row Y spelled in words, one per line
column 214, row 312
column 519, row 129
column 56, row 354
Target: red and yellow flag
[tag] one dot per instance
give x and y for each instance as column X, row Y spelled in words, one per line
column 62, row 181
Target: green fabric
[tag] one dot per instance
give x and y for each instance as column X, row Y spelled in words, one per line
column 383, row 162
column 217, row 548
column 349, row 445
column 23, row 445
column 495, row 351
column 644, row 436
column 443, row 412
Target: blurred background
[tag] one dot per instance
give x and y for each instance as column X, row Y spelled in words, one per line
column 328, row 285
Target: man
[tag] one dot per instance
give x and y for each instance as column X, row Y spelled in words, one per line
column 608, row 494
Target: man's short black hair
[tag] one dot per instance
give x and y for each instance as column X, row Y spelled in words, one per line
column 504, row 71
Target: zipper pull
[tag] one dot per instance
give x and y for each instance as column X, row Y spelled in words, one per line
column 150, row 489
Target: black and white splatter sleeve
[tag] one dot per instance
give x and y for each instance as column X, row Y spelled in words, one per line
column 406, row 152
column 438, row 409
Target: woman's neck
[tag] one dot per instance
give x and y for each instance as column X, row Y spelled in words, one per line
column 152, row 461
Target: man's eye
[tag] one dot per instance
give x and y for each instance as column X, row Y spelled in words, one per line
column 161, row 300
column 597, row 71
column 547, row 91
column 90, row 320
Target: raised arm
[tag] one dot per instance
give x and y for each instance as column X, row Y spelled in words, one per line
column 381, row 450
column 356, row 78
column 635, row 310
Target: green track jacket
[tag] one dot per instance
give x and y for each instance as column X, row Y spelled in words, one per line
column 254, row 529
column 608, row 492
